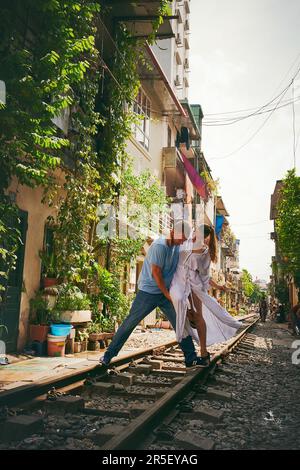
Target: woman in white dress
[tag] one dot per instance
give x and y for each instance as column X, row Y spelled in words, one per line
column 213, row 324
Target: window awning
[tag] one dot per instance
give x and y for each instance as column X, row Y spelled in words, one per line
column 221, row 209
column 138, row 17
column 160, row 83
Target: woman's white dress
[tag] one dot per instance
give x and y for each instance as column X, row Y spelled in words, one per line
column 192, row 275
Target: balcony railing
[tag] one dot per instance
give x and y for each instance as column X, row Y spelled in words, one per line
column 165, row 223
column 177, row 81
column 178, row 40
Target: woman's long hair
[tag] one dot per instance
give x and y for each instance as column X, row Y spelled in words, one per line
column 209, row 230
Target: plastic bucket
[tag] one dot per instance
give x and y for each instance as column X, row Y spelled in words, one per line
column 60, row 329
column 56, row 346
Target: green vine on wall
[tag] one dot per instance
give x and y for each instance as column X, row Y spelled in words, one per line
column 229, row 238
column 212, row 185
column 144, row 193
column 49, row 62
column 46, row 49
column 288, row 224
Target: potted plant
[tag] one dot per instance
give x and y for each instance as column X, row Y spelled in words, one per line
column 95, row 331
column 72, row 305
column 82, row 337
column 77, row 344
column 49, row 269
column 39, row 318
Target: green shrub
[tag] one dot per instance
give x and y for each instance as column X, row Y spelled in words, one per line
column 70, row 297
column 39, row 311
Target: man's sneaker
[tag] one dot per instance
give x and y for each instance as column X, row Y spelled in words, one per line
column 199, row 362
column 103, row 362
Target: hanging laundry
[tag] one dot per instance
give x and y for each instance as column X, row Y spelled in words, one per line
column 183, row 137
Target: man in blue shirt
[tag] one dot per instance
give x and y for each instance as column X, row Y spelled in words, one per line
column 165, row 256
column 154, row 282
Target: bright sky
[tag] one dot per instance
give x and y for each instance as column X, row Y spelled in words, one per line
column 243, row 54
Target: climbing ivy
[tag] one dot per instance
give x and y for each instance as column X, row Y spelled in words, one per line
column 46, row 50
column 164, row 9
column 50, row 64
column 229, row 238
column 288, row 224
column 102, row 182
column 140, row 195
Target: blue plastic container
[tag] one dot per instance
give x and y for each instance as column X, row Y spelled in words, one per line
column 60, row 329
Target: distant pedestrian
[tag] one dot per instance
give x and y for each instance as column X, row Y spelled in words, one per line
column 274, row 307
column 263, row 309
column 280, row 314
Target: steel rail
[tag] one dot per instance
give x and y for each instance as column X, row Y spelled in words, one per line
column 23, row 393
column 139, row 427
column 28, row 392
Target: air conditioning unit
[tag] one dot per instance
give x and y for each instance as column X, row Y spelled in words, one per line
column 177, row 81
column 169, row 157
column 178, row 39
column 186, row 25
column 186, row 64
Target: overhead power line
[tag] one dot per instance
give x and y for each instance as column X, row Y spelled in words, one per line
column 262, row 125
column 254, row 108
column 260, row 110
column 228, row 122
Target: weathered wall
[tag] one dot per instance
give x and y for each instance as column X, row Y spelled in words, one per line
column 29, row 200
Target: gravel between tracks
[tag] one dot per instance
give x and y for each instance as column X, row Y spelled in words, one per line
column 264, row 412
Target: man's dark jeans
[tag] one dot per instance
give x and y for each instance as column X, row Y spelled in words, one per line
column 142, row 305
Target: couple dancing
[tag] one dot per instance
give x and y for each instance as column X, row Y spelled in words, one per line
column 175, row 277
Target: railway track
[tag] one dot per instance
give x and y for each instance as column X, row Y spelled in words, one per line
column 130, row 406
